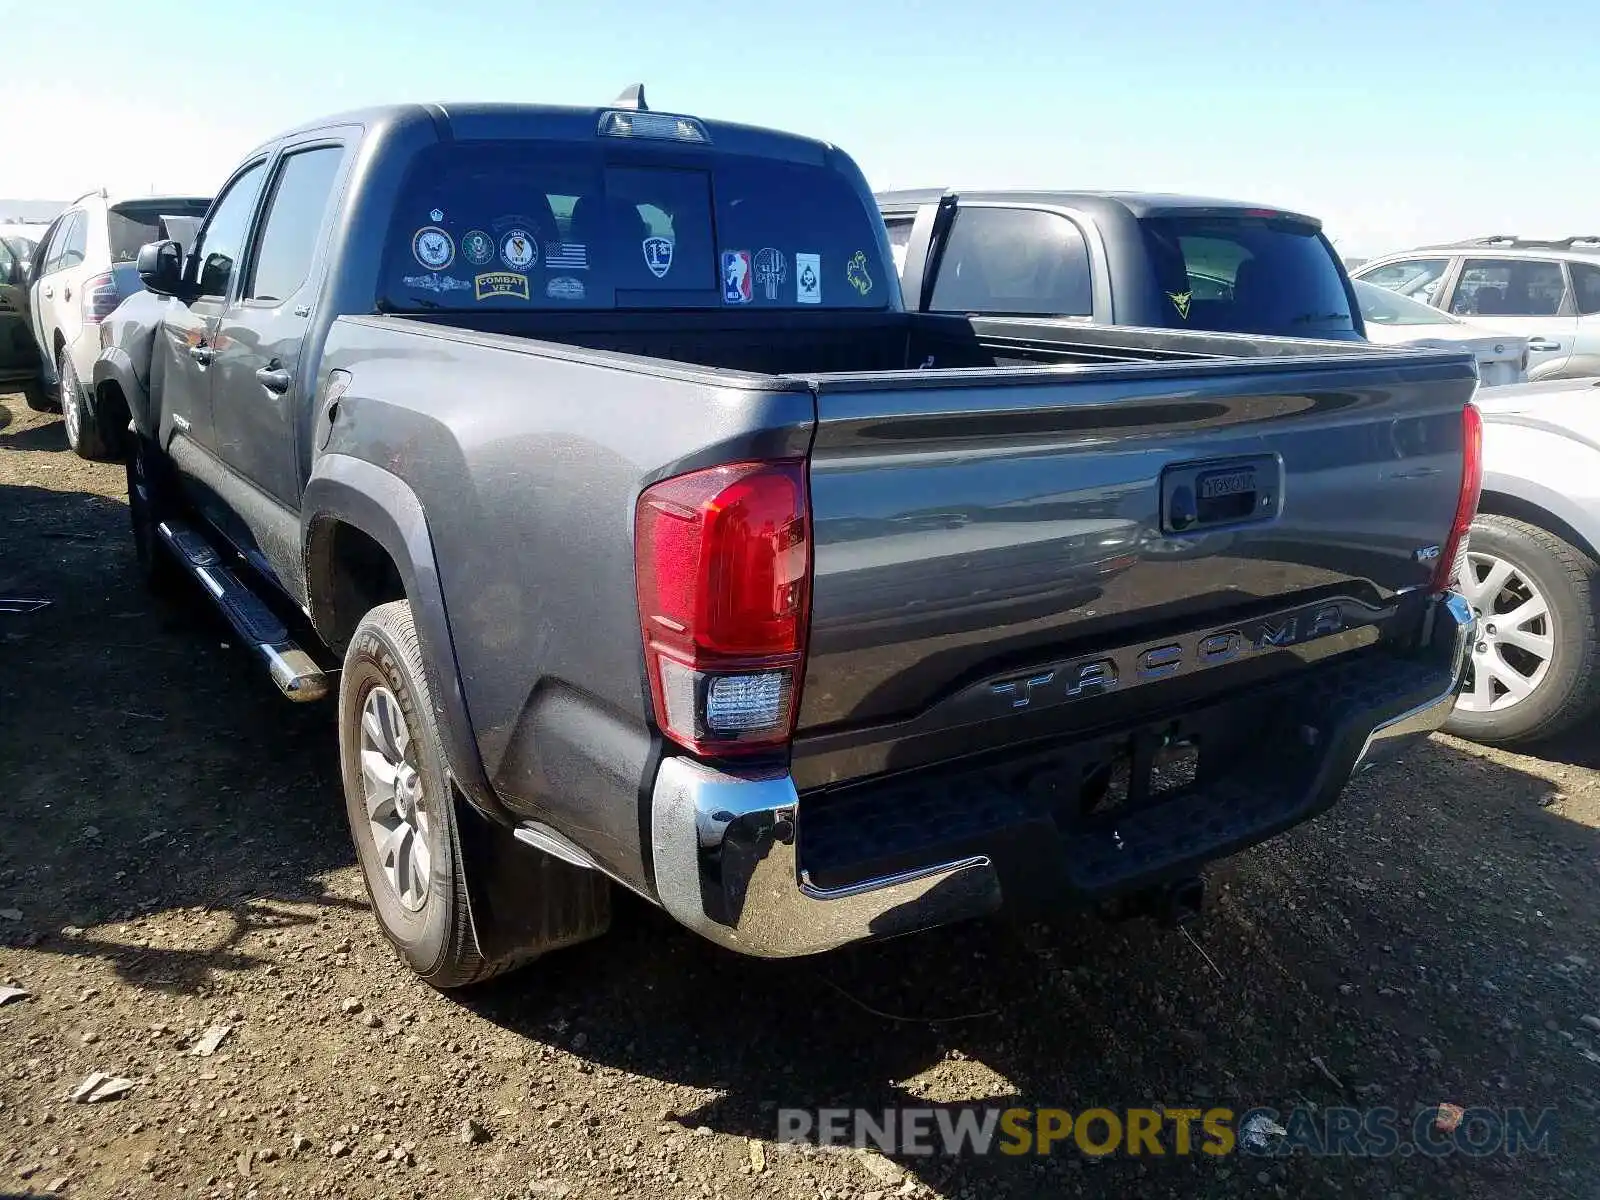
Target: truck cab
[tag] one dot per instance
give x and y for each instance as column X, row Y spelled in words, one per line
column 1121, row 258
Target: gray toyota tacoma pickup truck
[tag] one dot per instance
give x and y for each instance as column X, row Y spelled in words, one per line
column 590, row 458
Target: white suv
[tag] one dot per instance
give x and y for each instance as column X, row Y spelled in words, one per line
column 1545, row 291
column 82, row 269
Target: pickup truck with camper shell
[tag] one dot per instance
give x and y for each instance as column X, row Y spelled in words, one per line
column 590, row 458
column 1121, row 258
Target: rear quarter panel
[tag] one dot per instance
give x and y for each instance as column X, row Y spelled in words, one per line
column 528, row 464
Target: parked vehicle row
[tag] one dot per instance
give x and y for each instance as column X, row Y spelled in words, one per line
column 1169, row 262
column 1545, row 291
column 591, row 458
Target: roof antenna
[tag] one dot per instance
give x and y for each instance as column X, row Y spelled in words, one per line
column 632, row 98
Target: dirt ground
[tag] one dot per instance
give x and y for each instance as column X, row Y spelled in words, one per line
column 175, row 857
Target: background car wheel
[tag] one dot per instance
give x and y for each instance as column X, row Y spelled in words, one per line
column 150, row 501
column 1535, row 669
column 87, row 432
column 37, row 397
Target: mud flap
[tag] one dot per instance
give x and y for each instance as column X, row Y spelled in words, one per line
column 522, row 901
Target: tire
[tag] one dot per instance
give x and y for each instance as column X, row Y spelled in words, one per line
column 38, row 398
column 150, row 501
column 424, row 909
column 1535, row 569
column 88, row 433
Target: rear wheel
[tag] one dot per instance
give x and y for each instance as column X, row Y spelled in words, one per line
column 1535, row 669
column 87, row 432
column 403, row 818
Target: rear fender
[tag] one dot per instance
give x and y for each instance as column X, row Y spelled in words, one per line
column 501, row 881
column 381, row 505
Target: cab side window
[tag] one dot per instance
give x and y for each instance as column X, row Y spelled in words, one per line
column 220, row 246
column 1018, row 261
column 294, row 222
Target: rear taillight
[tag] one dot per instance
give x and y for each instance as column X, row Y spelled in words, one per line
column 100, row 298
column 1452, row 562
column 722, row 559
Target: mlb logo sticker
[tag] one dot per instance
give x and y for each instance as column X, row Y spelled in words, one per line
column 658, row 255
column 736, row 277
column 808, row 278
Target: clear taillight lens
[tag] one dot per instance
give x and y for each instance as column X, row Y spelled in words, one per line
column 722, row 561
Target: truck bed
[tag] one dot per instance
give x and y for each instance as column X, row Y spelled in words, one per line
column 805, row 344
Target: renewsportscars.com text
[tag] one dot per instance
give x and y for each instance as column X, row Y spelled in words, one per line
column 1153, row 1132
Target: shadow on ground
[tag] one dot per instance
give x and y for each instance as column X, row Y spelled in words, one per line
column 148, row 767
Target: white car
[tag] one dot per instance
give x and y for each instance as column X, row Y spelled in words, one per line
column 1545, row 291
column 1532, row 567
column 82, row 269
column 1396, row 320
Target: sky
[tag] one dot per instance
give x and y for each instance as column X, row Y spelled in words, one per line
column 1396, row 122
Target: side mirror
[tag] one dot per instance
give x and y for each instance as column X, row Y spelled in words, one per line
column 160, row 266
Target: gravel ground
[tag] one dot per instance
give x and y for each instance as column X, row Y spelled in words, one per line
column 175, row 859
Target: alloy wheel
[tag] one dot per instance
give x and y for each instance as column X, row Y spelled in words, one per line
column 397, row 808
column 1516, row 634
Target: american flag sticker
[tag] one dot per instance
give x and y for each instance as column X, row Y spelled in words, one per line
column 566, row 256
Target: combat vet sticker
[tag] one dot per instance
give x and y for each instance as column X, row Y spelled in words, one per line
column 736, row 277
column 857, row 273
column 433, row 247
column 501, row 283
column 771, row 270
column 564, row 287
column 519, row 251
column 808, row 278
column 658, row 255
column 477, row 247
column 1180, row 301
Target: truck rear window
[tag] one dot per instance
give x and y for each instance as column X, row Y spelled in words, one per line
column 559, row 225
column 1247, row 275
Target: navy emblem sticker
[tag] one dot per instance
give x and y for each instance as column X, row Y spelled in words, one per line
column 433, row 247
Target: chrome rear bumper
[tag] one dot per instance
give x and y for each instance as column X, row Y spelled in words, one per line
column 726, row 843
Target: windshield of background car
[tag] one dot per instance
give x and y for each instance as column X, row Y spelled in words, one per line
column 513, row 225
column 132, row 225
column 1247, row 274
column 1380, row 306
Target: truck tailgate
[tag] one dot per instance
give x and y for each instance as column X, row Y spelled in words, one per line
column 982, row 533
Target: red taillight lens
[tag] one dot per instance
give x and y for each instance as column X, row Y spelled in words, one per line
column 722, row 559
column 1452, row 560
column 100, row 298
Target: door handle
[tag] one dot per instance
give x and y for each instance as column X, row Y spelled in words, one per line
column 202, row 355
column 275, row 379
column 49, row 292
column 66, row 292
column 1540, row 343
